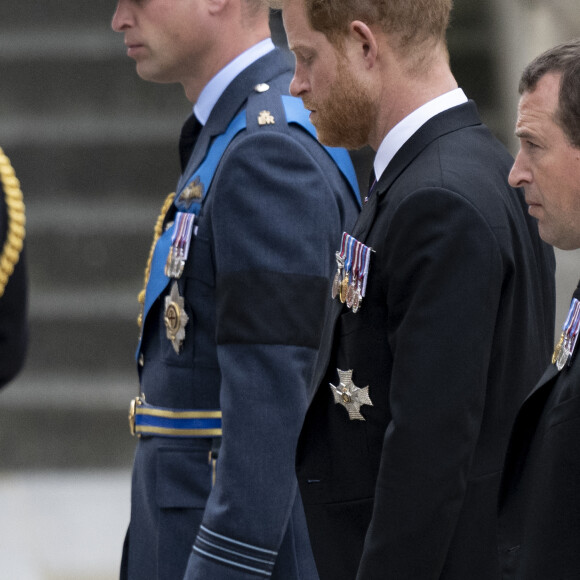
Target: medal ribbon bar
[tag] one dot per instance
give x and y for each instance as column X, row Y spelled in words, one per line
column 354, row 260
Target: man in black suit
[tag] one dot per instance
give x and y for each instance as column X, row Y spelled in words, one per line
column 13, row 283
column 540, row 493
column 401, row 451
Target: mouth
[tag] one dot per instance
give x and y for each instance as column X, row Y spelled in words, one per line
column 311, row 110
column 533, row 208
column 133, row 48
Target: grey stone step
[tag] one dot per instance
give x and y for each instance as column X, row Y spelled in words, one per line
column 48, row 161
column 59, row 13
column 49, row 421
column 89, row 244
column 73, row 131
column 82, row 331
column 31, row 438
column 98, row 88
column 37, row 40
column 98, row 214
column 59, row 16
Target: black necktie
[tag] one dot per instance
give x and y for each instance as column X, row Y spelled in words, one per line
column 189, row 134
column 577, row 292
column 372, row 183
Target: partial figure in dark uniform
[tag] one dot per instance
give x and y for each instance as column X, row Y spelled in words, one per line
column 418, row 383
column 13, row 283
column 540, row 492
column 235, row 297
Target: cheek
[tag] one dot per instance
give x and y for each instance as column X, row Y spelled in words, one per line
column 574, row 199
column 321, row 82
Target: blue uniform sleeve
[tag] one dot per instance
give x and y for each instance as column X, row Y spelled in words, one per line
column 277, row 217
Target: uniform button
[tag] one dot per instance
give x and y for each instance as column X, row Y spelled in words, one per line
column 141, row 360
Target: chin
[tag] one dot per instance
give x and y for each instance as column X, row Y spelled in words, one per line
column 338, row 136
column 152, row 74
column 328, row 139
column 342, row 141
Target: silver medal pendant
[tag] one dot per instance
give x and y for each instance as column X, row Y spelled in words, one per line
column 338, row 276
column 350, row 396
column 563, row 356
column 175, row 318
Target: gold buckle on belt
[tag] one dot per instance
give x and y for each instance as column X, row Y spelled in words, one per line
column 136, row 402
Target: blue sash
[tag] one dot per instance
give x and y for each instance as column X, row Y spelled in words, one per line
column 203, row 175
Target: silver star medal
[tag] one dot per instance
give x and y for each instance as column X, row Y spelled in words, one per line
column 350, row 396
column 175, row 318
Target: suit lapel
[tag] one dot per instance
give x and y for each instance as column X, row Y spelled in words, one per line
column 523, row 432
column 548, row 375
column 335, row 309
column 528, row 418
column 366, row 218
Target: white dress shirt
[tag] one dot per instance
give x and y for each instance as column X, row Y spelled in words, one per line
column 406, row 128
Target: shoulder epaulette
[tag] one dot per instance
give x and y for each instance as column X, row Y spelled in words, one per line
column 267, row 107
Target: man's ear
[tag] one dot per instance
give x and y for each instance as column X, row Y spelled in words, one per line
column 365, row 42
column 216, row 6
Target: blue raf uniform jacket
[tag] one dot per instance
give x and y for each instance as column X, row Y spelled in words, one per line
column 254, row 292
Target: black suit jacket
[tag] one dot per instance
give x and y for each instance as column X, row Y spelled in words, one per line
column 13, row 310
column 540, row 492
column 451, row 336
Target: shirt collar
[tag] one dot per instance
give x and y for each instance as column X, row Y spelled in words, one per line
column 211, row 93
column 406, row 128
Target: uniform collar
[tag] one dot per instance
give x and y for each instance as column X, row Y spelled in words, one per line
column 211, row 93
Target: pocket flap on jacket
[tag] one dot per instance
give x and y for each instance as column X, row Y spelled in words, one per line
column 183, row 477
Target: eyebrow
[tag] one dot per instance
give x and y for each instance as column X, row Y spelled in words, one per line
column 523, row 134
column 299, row 46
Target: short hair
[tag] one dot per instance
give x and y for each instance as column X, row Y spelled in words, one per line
column 412, row 20
column 415, row 26
column 565, row 60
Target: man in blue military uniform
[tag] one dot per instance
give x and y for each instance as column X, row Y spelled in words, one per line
column 236, row 292
column 13, row 283
column 539, row 503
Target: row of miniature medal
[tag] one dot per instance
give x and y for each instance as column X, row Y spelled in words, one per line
column 180, row 242
column 350, row 280
column 567, row 343
column 175, row 316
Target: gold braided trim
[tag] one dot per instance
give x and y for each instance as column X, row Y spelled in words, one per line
column 157, row 231
column 16, row 221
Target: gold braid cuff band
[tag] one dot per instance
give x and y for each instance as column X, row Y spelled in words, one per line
column 157, row 231
column 16, row 221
